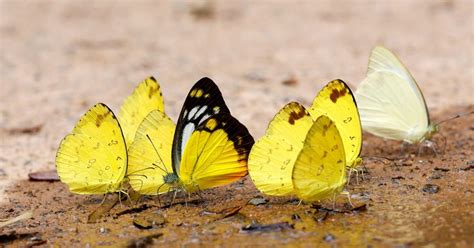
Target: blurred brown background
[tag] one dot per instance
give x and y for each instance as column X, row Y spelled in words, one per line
column 58, row 58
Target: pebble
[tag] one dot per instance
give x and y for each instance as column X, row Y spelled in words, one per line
column 258, row 201
column 431, row 188
column 329, row 237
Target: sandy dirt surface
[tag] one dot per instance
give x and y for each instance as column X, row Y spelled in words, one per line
column 58, row 59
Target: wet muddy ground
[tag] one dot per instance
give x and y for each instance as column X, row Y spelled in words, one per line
column 57, row 58
column 404, row 200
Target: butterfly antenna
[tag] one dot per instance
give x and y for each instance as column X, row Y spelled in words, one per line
column 157, row 153
column 120, row 199
column 455, row 117
column 138, row 179
column 159, row 167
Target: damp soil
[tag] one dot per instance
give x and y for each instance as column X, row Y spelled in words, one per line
column 402, row 199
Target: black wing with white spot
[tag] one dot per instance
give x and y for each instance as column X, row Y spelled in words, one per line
column 203, row 101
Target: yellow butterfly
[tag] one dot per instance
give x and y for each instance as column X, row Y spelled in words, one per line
column 207, row 148
column 288, row 130
column 92, row 159
column 336, row 101
column 273, row 156
column 145, row 98
column 320, row 169
column 299, row 156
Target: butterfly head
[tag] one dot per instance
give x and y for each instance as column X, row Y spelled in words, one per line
column 431, row 130
column 171, row 178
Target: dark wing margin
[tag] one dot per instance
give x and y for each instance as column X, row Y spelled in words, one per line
column 242, row 142
column 203, row 101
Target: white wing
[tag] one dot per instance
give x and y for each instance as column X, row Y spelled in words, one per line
column 390, row 102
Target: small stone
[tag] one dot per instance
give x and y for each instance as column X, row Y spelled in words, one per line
column 103, row 230
column 258, row 201
column 431, row 188
column 35, row 238
column 329, row 237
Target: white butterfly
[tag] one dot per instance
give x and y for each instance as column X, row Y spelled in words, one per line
column 390, row 102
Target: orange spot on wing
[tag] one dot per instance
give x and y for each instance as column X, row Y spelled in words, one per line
column 335, row 94
column 101, row 118
column 297, row 114
column 152, row 91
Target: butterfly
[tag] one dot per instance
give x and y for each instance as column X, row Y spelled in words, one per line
column 336, row 101
column 92, row 159
column 320, row 168
column 207, row 148
column 299, row 155
column 287, row 131
column 390, row 102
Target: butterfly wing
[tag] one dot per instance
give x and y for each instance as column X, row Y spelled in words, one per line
column 336, row 101
column 319, row 170
column 150, row 154
column 390, row 102
column 216, row 153
column 203, row 101
column 272, row 157
column 92, row 159
column 145, row 98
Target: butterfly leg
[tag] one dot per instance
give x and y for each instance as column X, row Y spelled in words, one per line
column 174, row 197
column 357, row 176
column 199, row 191
column 158, row 193
column 349, row 176
column 427, row 144
column 185, row 199
column 127, row 195
column 103, row 200
column 348, row 197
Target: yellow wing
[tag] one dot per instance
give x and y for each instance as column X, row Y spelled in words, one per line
column 336, row 101
column 149, row 156
column 92, row 159
column 273, row 156
column 145, row 98
column 215, row 154
column 319, row 170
